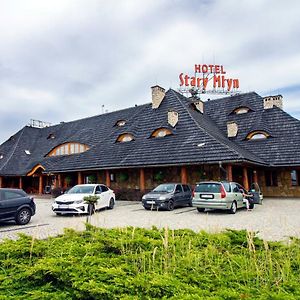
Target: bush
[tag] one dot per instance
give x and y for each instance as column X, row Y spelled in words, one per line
column 128, row 194
column 56, row 192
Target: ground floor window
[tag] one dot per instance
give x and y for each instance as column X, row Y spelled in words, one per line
column 295, row 177
column 271, row 178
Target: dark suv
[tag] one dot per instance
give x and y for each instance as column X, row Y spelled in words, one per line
column 168, row 195
column 16, row 205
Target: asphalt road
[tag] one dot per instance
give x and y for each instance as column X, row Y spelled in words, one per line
column 276, row 219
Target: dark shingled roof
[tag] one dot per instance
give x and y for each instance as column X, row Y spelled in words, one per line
column 196, row 139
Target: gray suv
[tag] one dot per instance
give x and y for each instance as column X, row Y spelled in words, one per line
column 168, row 196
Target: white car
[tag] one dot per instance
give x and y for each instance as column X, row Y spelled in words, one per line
column 72, row 201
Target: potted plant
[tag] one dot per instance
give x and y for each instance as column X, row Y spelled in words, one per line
column 90, row 200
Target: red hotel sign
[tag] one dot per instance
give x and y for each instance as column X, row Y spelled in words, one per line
column 213, row 73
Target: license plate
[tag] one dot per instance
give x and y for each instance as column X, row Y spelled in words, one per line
column 63, row 206
column 150, row 202
column 207, row 196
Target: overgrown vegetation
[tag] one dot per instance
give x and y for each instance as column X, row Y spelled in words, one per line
column 134, row 263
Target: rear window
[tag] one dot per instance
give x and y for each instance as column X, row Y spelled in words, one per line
column 208, row 188
column 227, row 186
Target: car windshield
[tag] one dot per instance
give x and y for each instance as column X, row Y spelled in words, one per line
column 208, row 188
column 81, row 189
column 165, row 188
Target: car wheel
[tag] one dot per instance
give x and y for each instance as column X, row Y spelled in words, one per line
column 147, row 208
column 170, row 205
column 200, row 209
column 58, row 214
column 23, row 216
column 111, row 203
column 233, row 208
column 251, row 205
column 91, row 209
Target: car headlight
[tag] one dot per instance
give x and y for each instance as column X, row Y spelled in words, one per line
column 162, row 198
column 78, row 201
column 144, row 197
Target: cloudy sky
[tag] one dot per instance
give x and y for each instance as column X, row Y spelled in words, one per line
column 62, row 60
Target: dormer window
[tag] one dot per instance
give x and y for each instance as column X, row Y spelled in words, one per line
column 51, row 136
column 241, row 110
column 27, row 152
column 120, row 123
column 68, row 149
column 257, row 135
column 1, row 156
column 125, row 137
column 161, row 132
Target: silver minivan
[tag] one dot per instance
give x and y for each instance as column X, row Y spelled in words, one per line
column 218, row 195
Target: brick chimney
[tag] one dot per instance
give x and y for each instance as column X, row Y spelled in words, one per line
column 173, row 117
column 232, row 129
column 158, row 94
column 271, row 101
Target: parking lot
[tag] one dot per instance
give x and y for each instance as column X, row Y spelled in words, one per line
column 276, row 219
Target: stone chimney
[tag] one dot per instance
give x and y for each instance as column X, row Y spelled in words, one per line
column 199, row 105
column 158, row 94
column 271, row 101
column 173, row 117
column 232, row 129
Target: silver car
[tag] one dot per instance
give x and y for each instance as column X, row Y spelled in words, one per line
column 219, row 195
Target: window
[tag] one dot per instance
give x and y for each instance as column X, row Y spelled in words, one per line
column 1, row 156
column 68, row 148
column 235, row 188
column 271, row 178
column 104, row 188
column 241, row 110
column 257, row 135
column 125, row 137
column 120, row 123
column 12, row 195
column 295, row 178
column 98, row 190
column 161, row 132
column 51, row 136
column 178, row 188
column 186, row 188
column 27, row 152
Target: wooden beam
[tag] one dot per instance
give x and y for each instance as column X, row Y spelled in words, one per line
column 34, row 169
column 79, row 178
column 142, row 180
column 245, row 178
column 229, row 172
column 183, row 175
column 41, row 184
column 107, row 178
column 20, row 183
column 59, row 180
column 1, row 182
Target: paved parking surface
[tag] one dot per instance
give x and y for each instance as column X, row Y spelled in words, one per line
column 276, row 219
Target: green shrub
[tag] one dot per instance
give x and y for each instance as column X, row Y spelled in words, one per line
column 135, row 263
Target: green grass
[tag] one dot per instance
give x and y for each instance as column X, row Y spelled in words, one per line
column 134, row 263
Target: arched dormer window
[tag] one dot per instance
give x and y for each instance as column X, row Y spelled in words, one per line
column 120, row 123
column 241, row 110
column 68, row 149
column 161, row 132
column 257, row 135
column 125, row 137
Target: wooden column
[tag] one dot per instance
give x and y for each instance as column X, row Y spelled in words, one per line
column 1, row 182
column 245, row 179
column 229, row 172
column 183, row 175
column 107, row 178
column 59, row 180
column 142, row 180
column 99, row 179
column 79, row 176
column 20, row 183
column 255, row 178
column 41, row 184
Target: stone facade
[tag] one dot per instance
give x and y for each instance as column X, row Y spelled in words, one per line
column 173, row 117
column 232, row 129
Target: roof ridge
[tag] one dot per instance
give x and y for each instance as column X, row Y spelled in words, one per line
column 219, row 141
